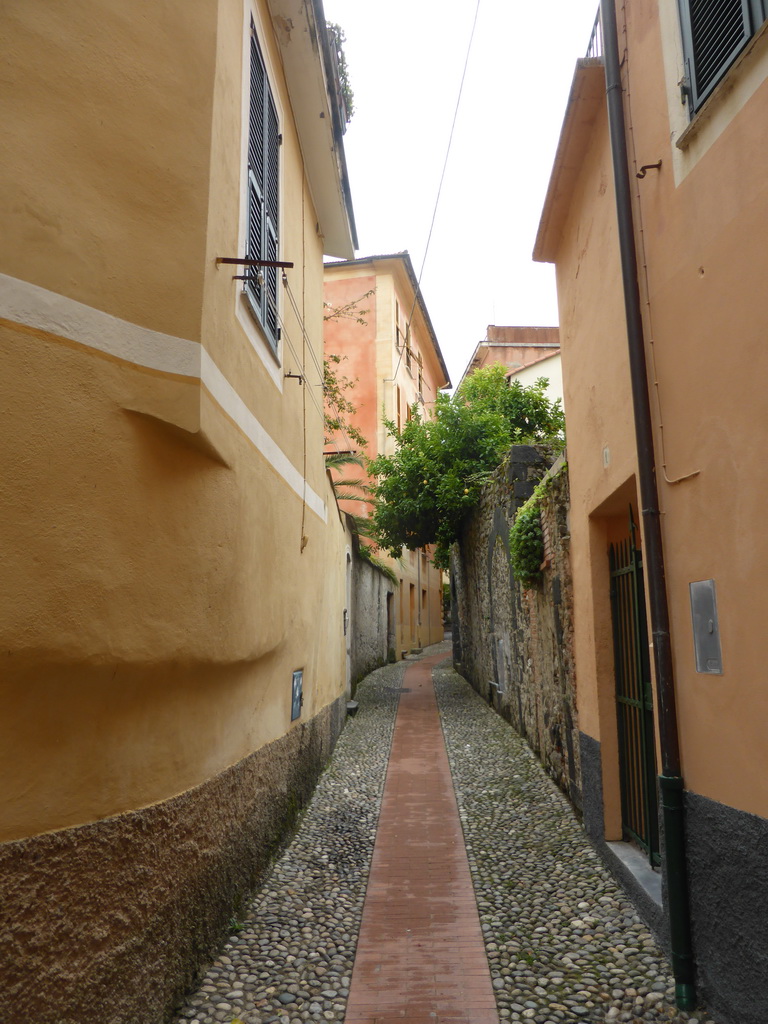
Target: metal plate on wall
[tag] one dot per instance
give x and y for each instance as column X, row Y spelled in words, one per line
column 297, row 697
column 706, row 631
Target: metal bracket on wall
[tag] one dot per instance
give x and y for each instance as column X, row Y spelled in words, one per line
column 245, row 262
column 648, row 167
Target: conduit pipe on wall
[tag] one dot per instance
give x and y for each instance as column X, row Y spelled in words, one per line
column 670, row 780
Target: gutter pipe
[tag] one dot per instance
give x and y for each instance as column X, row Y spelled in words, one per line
column 670, row 780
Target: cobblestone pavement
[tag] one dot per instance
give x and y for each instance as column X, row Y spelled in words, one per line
column 563, row 942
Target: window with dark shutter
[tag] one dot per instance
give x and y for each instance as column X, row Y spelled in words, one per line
column 263, row 195
column 714, row 33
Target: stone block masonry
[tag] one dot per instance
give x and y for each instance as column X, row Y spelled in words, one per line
column 515, row 644
column 372, row 593
column 110, row 921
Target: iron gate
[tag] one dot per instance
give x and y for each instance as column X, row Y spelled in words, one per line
column 634, row 698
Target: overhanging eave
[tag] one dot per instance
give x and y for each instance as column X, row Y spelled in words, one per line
column 585, row 100
column 298, row 28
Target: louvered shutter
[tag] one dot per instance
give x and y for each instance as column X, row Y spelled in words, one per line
column 263, row 194
column 714, row 33
column 272, row 213
column 255, row 172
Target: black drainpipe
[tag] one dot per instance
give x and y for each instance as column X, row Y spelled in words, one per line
column 670, row 780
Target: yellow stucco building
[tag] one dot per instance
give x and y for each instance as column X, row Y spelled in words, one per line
column 389, row 348
column 672, row 705
column 168, row 527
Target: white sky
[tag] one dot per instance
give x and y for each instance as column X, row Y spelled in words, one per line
column 405, row 60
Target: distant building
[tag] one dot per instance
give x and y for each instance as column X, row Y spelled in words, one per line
column 396, row 360
column 527, row 352
column 173, row 584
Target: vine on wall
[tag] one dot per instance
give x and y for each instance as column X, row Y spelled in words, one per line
column 526, row 542
column 526, row 537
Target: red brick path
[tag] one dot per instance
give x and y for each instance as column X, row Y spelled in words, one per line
column 420, row 958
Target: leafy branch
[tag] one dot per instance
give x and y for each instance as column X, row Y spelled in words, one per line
column 426, row 489
column 339, row 409
column 349, row 310
column 338, row 39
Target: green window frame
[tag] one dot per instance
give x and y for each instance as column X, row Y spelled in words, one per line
column 262, row 242
column 714, row 33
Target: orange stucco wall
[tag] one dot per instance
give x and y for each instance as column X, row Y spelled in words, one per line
column 515, row 347
column 355, row 342
column 383, row 376
column 703, row 217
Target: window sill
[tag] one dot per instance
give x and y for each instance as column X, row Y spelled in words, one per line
column 636, row 864
column 255, row 316
column 254, row 333
column 643, row 885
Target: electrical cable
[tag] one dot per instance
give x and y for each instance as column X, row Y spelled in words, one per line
column 303, row 542
column 440, row 186
column 307, row 347
column 646, row 287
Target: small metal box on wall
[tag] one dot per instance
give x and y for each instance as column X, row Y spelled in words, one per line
column 706, row 630
column 297, row 695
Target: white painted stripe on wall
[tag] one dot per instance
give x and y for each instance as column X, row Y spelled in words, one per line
column 33, row 306
column 29, row 304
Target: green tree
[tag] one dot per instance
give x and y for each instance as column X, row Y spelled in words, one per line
column 531, row 416
column 426, row 488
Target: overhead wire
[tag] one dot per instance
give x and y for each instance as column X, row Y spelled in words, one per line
column 292, row 299
column 440, row 186
column 318, row 367
column 307, row 346
column 286, row 282
column 303, row 381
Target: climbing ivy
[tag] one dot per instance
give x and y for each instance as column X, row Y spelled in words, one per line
column 526, row 542
column 526, row 537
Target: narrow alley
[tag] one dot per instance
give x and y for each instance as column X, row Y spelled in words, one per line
column 370, row 917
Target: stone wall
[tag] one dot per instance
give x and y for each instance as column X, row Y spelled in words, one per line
column 515, row 644
column 110, row 921
column 372, row 641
